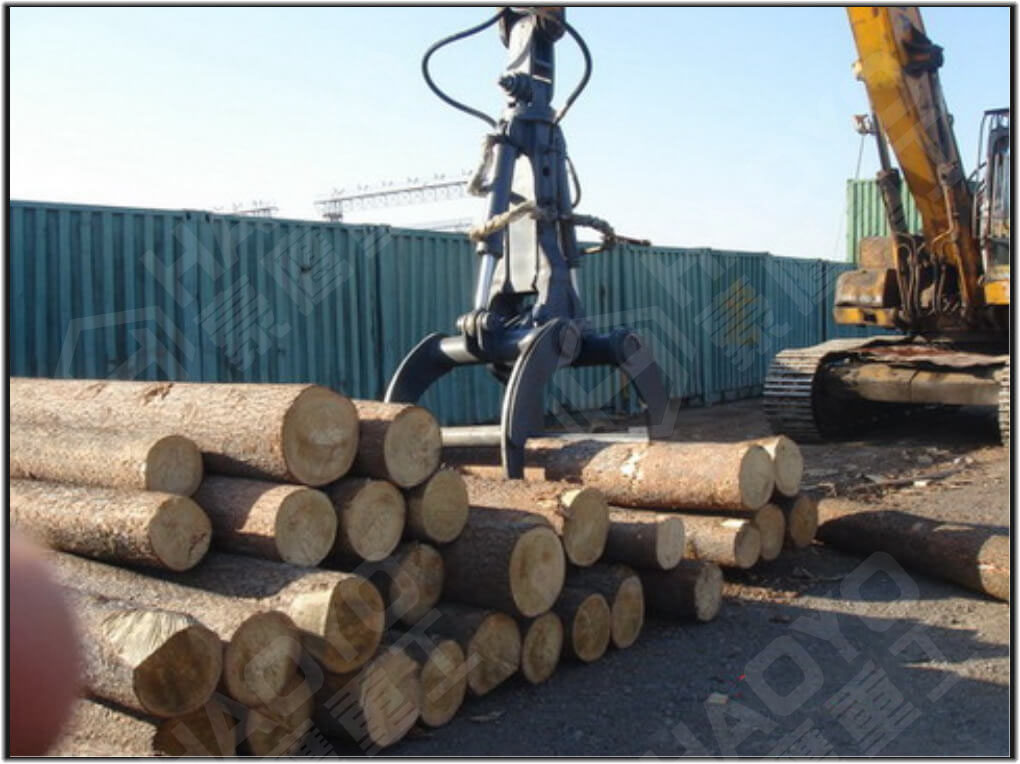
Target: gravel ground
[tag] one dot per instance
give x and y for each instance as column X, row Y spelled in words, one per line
column 816, row 653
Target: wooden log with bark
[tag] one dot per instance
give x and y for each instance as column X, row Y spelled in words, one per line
column 693, row 589
column 771, row 524
column 278, row 727
column 787, row 461
column 138, row 527
column 370, row 520
column 801, row 514
column 621, row 587
column 286, row 432
column 410, row 581
column 99, row 729
column 668, row 475
column 731, row 542
column 373, row 707
column 157, row 662
column 399, row 442
column 587, row 623
column 580, row 516
column 261, row 645
column 541, row 646
column 491, row 642
column 975, row 557
column 107, row 458
column 287, row 523
column 438, row 508
column 443, row 673
column 644, row 539
column 506, row 562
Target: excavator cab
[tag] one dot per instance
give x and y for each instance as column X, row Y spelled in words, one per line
column 992, row 204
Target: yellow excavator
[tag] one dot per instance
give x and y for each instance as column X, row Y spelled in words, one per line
column 943, row 293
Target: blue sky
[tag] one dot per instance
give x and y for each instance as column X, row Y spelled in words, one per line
column 720, row 127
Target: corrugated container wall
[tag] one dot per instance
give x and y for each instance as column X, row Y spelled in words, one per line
column 189, row 295
column 865, row 214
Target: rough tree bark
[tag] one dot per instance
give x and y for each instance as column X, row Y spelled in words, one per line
column 106, row 458
column 291, row 433
column 138, row 527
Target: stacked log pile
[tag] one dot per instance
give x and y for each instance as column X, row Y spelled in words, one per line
column 316, row 572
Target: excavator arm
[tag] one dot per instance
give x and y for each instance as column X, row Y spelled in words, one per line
column 940, row 276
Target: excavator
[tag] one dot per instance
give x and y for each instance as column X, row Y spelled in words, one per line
column 942, row 295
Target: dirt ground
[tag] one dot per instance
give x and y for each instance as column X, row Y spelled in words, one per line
column 817, row 653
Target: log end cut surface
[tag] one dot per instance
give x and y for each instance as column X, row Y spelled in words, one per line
column 628, row 612
column 261, row 658
column 417, row 583
column 179, row 675
column 442, row 509
column 708, row 592
column 757, row 477
column 537, row 571
column 443, row 683
column 586, row 526
column 591, row 628
column 802, row 521
column 541, row 647
column 771, row 524
column 413, row 447
column 173, row 465
column 180, row 533
column 391, row 700
column 320, row 436
column 373, row 521
column 354, row 624
column 789, row 465
column 494, row 653
column 306, row 526
column 669, row 542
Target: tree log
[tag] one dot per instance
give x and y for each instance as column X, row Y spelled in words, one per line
column 727, row 541
column 644, row 539
column 693, row 589
column 580, row 516
column 107, row 458
column 587, row 623
column 771, row 524
column 290, row 433
column 975, row 557
column 491, row 642
column 98, row 729
column 277, row 728
column 399, row 442
column 504, row 562
column 340, row 616
column 154, row 661
column 140, row 527
column 261, row 645
column 375, row 706
column 437, row 509
column 787, row 461
column 288, row 523
column 210, row 731
column 443, row 674
column 371, row 520
column 801, row 519
column 621, row 587
column 410, row 581
column 541, row 646
column 667, row 475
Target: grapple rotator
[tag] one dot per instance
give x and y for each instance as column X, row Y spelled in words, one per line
column 527, row 320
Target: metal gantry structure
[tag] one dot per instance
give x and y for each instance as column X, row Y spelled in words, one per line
column 413, row 191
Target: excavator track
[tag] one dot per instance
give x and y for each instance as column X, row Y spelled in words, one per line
column 791, row 405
